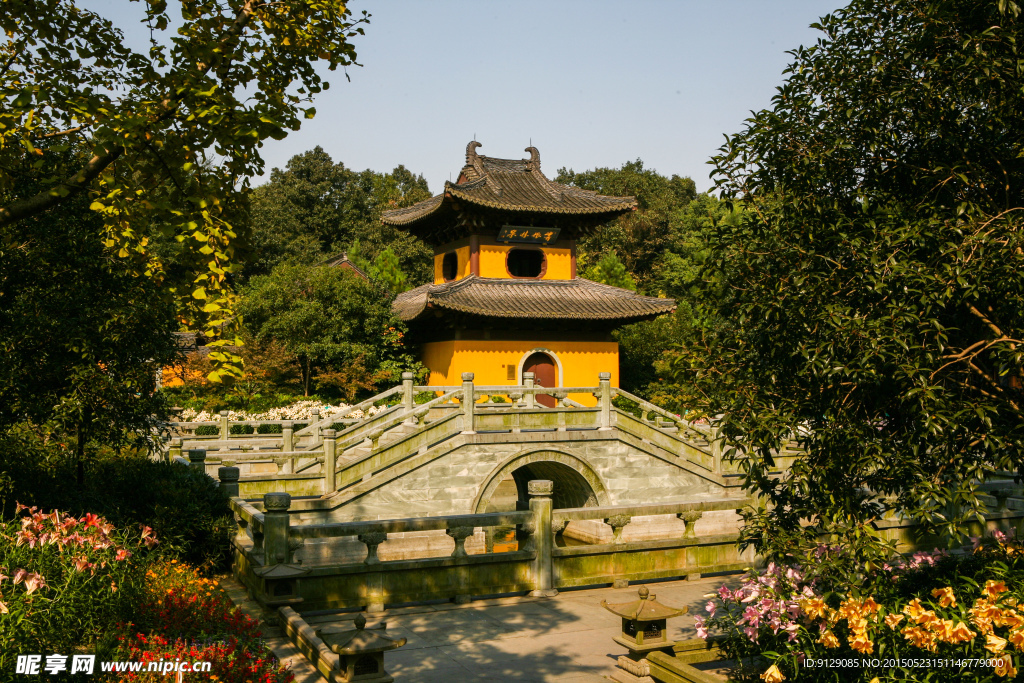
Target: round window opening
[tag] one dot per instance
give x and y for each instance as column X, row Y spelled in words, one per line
column 450, row 266
column 525, row 263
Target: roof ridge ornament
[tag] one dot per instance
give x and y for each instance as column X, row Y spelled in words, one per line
column 533, row 166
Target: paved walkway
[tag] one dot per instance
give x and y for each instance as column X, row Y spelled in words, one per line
column 565, row 639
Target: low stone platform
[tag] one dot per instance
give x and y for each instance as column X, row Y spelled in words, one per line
column 565, row 639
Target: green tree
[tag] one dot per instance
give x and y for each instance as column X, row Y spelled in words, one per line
column 874, row 284
column 317, row 201
column 327, row 318
column 386, row 271
column 641, row 236
column 610, row 271
column 82, row 340
column 163, row 139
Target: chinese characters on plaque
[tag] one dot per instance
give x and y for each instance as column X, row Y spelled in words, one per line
column 525, row 234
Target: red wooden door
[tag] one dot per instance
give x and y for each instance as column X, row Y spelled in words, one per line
column 545, row 374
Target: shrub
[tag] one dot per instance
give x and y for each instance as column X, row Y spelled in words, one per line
column 268, row 429
column 65, row 581
column 207, row 430
column 185, row 616
column 961, row 610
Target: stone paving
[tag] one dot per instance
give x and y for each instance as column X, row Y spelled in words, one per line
column 567, row 638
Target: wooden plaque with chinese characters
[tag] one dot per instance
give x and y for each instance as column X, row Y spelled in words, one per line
column 525, row 234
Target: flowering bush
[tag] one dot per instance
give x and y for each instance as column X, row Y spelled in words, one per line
column 958, row 615
column 301, row 410
column 64, row 580
column 184, row 615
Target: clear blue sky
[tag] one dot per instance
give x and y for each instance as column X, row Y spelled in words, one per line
column 591, row 83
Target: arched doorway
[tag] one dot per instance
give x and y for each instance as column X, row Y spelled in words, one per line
column 545, row 374
column 576, row 483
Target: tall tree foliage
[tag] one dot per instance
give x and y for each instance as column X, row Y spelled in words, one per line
column 328, row 319
column 315, row 203
column 166, row 137
column 874, row 286
column 81, row 339
column 639, row 237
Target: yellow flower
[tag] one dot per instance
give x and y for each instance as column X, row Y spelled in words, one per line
column 870, row 606
column 1009, row 617
column 828, row 639
column 945, row 596
column 921, row 638
column 813, row 607
column 914, row 608
column 961, row 634
column 1017, row 638
column 772, row 675
column 994, row 643
column 1005, row 667
column 893, row 620
column 992, row 589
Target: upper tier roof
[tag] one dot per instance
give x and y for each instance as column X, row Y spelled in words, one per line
column 577, row 299
column 516, row 185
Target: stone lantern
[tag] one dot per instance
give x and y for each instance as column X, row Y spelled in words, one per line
column 361, row 651
column 644, row 630
column 279, row 585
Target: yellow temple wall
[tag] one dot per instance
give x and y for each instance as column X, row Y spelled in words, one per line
column 462, row 271
column 492, row 262
column 579, row 362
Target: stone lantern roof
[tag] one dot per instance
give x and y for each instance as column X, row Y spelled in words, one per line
column 647, row 608
column 360, row 640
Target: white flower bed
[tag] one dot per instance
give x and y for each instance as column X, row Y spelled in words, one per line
column 302, row 411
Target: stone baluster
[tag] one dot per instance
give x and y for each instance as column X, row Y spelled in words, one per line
column 314, row 422
column 228, row 477
column 459, row 534
column 489, row 539
column 541, row 504
column 174, row 450
column 275, row 527
column 605, row 401
column 690, row 517
column 468, row 404
column 372, row 539
column 257, row 542
column 330, row 460
column 288, row 438
column 408, row 397
column 242, row 524
column 225, row 426
column 531, row 398
column 617, row 523
column 197, row 458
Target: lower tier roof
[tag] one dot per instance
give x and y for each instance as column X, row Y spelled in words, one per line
column 576, row 299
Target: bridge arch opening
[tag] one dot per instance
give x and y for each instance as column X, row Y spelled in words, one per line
column 576, row 484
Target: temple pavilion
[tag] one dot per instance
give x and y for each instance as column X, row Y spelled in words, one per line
column 506, row 298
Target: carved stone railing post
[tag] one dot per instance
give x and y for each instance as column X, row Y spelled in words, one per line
column 228, row 477
column 541, row 504
column 618, row 523
column 459, row 534
column 372, row 539
column 408, row 396
column 530, row 397
column 605, row 400
column 468, row 404
column 275, row 527
column 257, row 542
column 197, row 458
column 225, row 427
column 174, row 450
column 690, row 517
column 330, row 460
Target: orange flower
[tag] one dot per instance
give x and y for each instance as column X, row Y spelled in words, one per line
column 893, row 620
column 861, row 644
column 992, row 589
column 960, row 634
column 920, row 637
column 914, row 608
column 870, row 606
column 1005, row 667
column 1017, row 638
column 945, row 596
column 773, row 675
column 813, row 607
column 829, row 640
column 994, row 643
